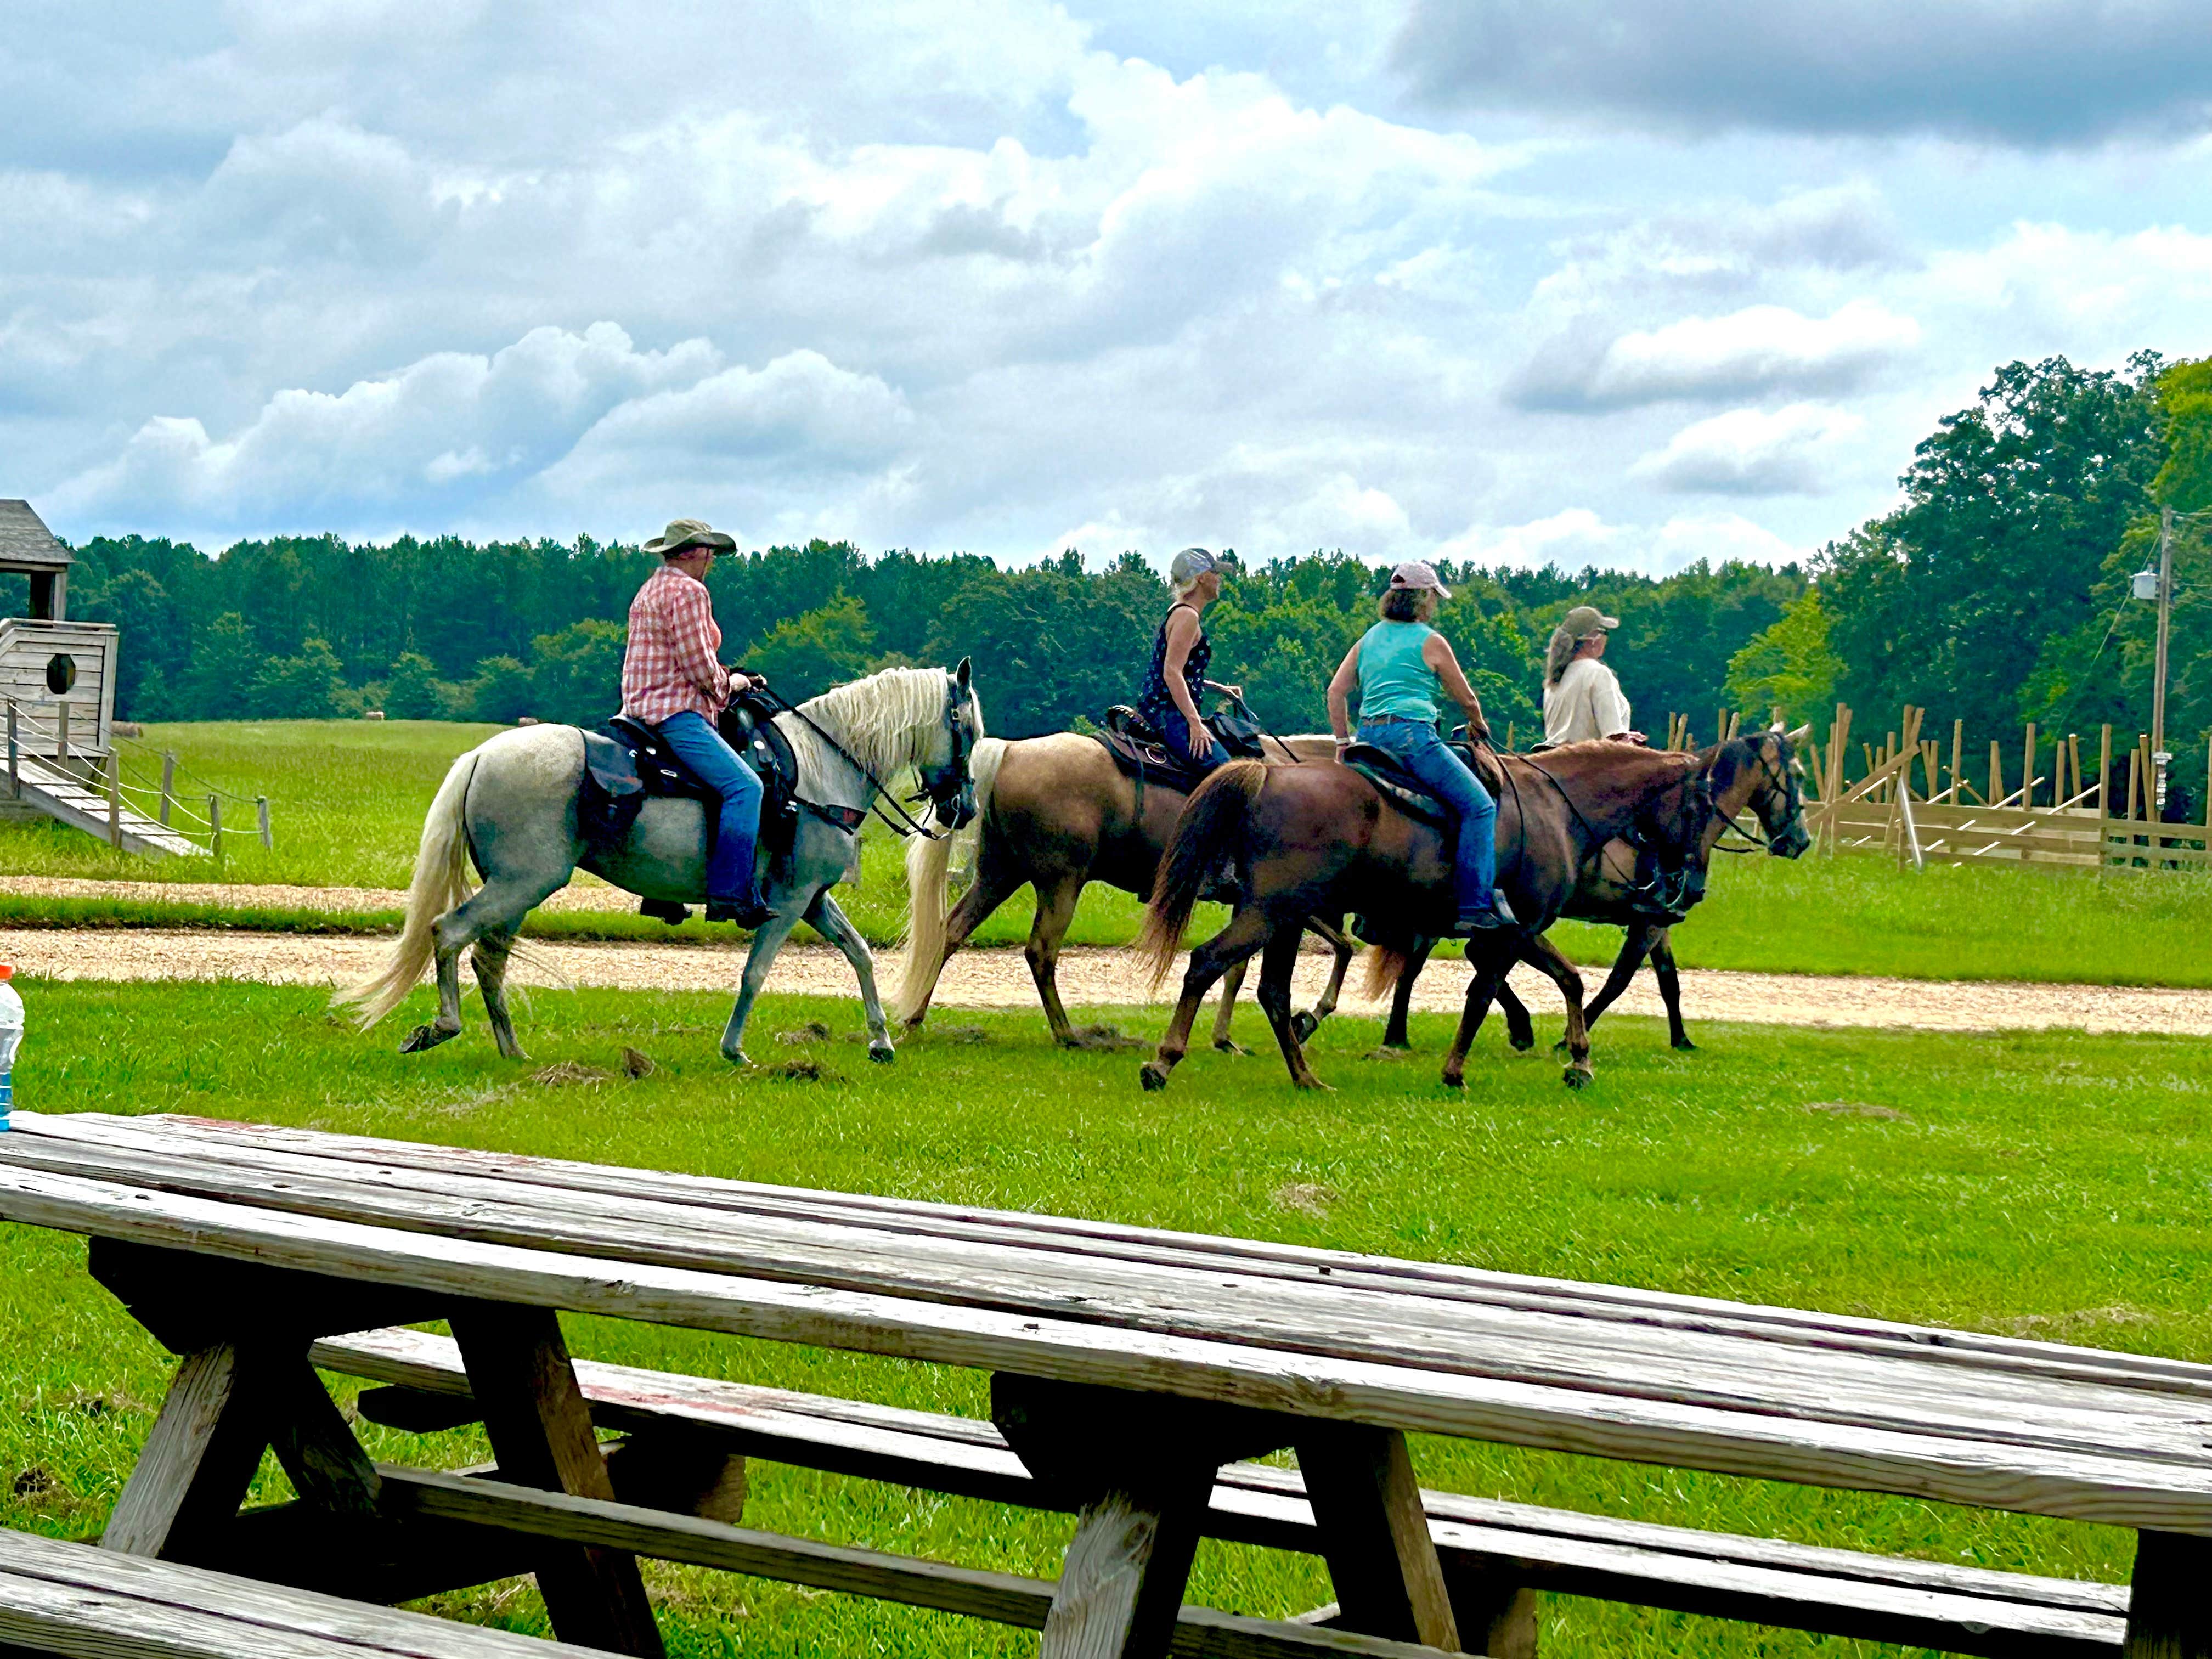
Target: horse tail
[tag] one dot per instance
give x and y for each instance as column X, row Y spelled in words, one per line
column 440, row 884
column 1213, row 822
column 1385, row 968
column 928, row 867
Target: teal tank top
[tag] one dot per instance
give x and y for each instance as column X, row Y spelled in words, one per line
column 1393, row 678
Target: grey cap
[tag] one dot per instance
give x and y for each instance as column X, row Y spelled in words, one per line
column 1190, row 564
column 1418, row 574
column 1585, row 620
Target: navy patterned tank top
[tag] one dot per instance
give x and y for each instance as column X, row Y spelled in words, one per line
column 1154, row 703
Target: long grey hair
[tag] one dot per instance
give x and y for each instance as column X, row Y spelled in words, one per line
column 1559, row 654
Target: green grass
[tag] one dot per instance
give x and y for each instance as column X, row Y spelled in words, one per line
column 2054, row 1183
column 349, row 799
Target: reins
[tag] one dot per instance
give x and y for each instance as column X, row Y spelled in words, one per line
column 879, row 796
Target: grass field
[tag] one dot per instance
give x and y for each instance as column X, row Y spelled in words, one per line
column 2049, row 1184
column 348, row 800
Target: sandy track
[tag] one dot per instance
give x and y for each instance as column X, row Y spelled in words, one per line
column 1111, row 978
column 584, row 893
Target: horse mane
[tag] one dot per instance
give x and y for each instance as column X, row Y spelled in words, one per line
column 885, row 720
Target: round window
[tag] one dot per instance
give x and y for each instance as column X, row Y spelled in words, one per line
column 61, row 673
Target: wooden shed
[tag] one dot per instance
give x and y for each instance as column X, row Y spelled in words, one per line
column 58, row 675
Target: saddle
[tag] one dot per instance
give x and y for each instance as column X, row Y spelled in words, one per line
column 1402, row 789
column 1141, row 749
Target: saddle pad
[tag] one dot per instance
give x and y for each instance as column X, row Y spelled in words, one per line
column 1401, row 787
column 1151, row 761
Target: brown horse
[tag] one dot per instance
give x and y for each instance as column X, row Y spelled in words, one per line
column 1320, row 839
column 1757, row 773
column 1056, row 813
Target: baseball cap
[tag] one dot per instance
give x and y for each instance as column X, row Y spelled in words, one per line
column 1192, row 563
column 1418, row 573
column 1587, row 619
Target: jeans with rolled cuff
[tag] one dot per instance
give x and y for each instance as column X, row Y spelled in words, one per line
column 700, row 746
column 1423, row 753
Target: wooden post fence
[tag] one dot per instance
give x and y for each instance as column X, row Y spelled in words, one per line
column 15, row 765
column 115, row 801
column 169, row 781
column 214, row 827
column 261, row 807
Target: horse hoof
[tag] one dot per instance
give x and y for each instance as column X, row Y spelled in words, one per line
column 1314, row 1085
column 1230, row 1046
column 881, row 1052
column 1520, row 1045
column 1386, row 1051
column 1685, row 1046
column 1454, row 1080
column 1153, row 1076
column 426, row 1036
column 737, row 1057
column 1576, row 1077
column 1302, row 1026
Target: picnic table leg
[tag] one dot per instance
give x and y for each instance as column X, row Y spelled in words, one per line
column 1122, row 1582
column 2170, row 1608
column 540, row 1428
column 1375, row 1534
column 200, row 1458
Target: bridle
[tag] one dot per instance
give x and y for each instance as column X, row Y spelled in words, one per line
column 954, row 781
column 1764, row 841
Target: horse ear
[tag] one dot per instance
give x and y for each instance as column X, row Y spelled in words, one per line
column 1799, row 734
column 960, row 674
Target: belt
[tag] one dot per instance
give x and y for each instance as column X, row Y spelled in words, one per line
column 1394, row 720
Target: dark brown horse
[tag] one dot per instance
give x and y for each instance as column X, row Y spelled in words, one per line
column 1056, row 813
column 1757, row 773
column 1320, row 839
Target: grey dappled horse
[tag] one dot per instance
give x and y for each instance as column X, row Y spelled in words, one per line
column 509, row 806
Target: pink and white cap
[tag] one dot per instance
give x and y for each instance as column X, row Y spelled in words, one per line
column 1418, row 572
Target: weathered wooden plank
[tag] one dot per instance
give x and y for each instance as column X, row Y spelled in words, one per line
column 540, row 1430
column 1001, row 1598
column 201, row 1455
column 2113, row 1487
column 316, row 1446
column 1207, row 1251
column 1374, row 1534
column 1880, row 1392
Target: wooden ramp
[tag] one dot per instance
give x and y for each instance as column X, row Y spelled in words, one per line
column 63, row 795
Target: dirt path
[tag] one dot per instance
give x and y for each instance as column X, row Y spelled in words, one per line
column 1109, row 978
column 584, row 893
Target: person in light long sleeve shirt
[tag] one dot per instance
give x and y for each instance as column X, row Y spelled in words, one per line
column 1583, row 698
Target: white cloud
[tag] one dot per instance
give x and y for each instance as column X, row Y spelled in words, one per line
column 1752, row 452
column 1759, row 348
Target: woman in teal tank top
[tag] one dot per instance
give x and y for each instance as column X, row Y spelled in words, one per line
column 1402, row 666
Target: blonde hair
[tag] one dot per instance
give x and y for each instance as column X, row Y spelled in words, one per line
column 1406, row 604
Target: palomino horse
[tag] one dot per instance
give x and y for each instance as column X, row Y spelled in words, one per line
column 510, row 806
column 1757, row 773
column 1320, row 838
column 1056, row 813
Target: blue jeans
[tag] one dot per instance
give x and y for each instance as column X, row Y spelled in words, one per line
column 1176, row 730
column 700, row 746
column 1423, row 753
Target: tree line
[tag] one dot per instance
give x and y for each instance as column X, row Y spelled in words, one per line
column 1996, row 591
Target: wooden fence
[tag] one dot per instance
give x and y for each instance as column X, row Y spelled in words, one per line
column 1901, row 798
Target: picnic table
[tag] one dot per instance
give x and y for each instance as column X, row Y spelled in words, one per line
column 1134, row 1373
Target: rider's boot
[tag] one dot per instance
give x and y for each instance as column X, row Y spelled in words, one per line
column 668, row 910
column 1500, row 914
column 748, row 912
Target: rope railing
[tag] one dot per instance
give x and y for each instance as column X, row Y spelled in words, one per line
column 54, row 741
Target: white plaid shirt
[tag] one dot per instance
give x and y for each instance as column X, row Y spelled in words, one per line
column 670, row 663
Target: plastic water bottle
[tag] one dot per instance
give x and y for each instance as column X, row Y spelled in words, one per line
column 11, row 1038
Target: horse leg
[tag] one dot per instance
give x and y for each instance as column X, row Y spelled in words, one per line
column 1231, row 983
column 1670, row 988
column 768, row 939
column 1307, row 1023
column 1056, row 909
column 1277, row 964
column 1545, row 957
column 1401, row 999
column 490, row 957
column 1520, row 1030
column 832, row 923
column 1489, row 963
column 990, row 890
column 1642, row 936
column 1246, row 932
column 495, row 910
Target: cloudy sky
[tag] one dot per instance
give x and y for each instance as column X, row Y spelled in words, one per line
column 1623, row 281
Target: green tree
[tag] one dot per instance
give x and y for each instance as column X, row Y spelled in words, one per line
column 501, row 691
column 1788, row 665
column 576, row 674
column 807, row 654
column 411, row 689
column 224, row 666
column 308, row 687
column 2184, row 397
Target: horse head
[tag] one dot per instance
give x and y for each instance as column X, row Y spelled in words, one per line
column 1760, row 773
column 947, row 777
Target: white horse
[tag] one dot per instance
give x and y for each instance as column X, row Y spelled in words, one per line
column 510, row 807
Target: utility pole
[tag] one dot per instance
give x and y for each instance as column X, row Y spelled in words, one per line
column 2159, row 756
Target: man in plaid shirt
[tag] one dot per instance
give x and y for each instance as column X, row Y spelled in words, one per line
column 672, row 680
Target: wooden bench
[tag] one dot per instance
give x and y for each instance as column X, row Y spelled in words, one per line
column 1494, row 1552
column 84, row 1602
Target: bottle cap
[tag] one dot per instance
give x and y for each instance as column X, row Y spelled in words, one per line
column 6, row 972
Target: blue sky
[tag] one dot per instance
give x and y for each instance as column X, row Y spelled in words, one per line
column 1628, row 281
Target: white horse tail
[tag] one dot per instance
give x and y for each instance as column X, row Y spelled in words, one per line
column 928, row 864
column 440, row 884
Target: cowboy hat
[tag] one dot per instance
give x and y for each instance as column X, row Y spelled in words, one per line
column 690, row 533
